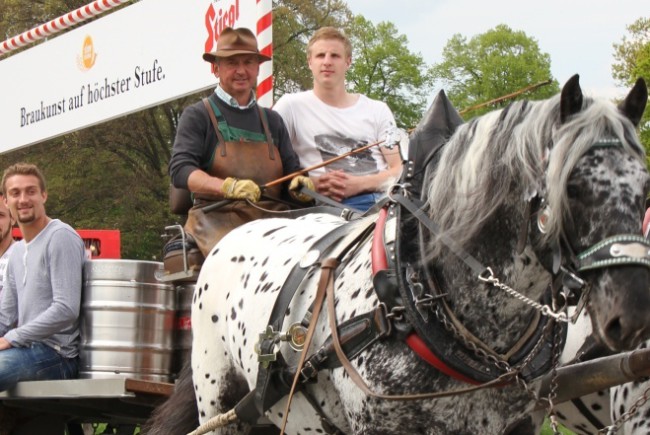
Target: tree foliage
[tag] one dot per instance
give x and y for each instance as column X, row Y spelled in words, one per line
column 632, row 57
column 294, row 21
column 490, row 65
column 385, row 70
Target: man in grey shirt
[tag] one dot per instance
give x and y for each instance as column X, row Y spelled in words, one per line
column 42, row 292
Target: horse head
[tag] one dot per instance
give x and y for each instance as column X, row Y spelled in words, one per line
column 550, row 195
column 602, row 164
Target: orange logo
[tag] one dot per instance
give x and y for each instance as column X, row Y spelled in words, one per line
column 86, row 60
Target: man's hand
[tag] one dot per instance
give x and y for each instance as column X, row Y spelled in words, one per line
column 296, row 183
column 232, row 188
column 338, row 185
column 4, row 344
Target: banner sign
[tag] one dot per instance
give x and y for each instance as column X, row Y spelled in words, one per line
column 138, row 57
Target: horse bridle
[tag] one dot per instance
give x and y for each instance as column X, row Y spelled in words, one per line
column 617, row 250
column 568, row 287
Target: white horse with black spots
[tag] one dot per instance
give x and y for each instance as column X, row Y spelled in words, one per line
column 572, row 159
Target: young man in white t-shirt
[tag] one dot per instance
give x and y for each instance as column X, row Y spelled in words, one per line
column 329, row 121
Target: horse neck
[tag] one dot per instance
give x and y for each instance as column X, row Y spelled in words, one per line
column 492, row 315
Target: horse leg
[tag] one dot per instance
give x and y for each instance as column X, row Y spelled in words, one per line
column 218, row 384
column 178, row 413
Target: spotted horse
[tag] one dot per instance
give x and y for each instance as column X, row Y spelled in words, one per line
column 460, row 299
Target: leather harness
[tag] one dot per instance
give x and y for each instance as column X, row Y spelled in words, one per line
column 412, row 308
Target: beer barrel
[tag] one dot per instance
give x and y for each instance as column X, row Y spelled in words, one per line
column 127, row 321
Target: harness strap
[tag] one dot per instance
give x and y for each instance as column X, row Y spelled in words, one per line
column 421, row 216
column 361, row 384
column 271, row 376
column 327, row 267
column 264, row 399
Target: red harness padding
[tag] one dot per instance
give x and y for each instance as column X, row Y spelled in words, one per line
column 379, row 262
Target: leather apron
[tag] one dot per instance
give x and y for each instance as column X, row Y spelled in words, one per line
column 247, row 155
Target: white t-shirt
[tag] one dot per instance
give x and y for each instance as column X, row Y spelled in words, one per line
column 4, row 259
column 319, row 132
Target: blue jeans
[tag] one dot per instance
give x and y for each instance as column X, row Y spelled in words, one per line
column 34, row 363
column 364, row 201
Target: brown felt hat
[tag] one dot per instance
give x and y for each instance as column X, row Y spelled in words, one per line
column 232, row 42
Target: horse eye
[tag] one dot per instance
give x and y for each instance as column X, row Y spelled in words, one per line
column 572, row 192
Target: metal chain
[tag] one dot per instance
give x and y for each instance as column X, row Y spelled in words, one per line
column 627, row 416
column 482, row 354
column 544, row 309
column 552, row 395
column 491, row 359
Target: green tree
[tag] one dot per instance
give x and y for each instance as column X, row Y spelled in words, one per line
column 294, row 21
column 490, row 65
column 632, row 57
column 383, row 69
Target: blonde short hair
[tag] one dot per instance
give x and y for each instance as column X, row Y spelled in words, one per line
column 330, row 33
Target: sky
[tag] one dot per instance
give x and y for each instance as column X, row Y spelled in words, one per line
column 577, row 34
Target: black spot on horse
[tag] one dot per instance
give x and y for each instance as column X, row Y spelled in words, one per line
column 268, row 233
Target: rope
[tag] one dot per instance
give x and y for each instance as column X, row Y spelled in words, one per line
column 216, row 422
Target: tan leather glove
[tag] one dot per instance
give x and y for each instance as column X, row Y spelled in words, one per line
column 233, row 188
column 296, row 183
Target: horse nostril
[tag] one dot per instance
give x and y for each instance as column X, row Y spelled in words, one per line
column 614, row 330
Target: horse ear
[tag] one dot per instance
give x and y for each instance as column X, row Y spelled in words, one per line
column 571, row 100
column 634, row 104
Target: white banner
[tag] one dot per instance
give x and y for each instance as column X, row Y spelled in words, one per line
column 135, row 58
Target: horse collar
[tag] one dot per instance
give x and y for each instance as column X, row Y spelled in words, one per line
column 441, row 340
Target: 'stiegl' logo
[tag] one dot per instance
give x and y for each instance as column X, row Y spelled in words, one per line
column 86, row 60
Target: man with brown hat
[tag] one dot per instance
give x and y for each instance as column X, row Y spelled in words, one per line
column 227, row 146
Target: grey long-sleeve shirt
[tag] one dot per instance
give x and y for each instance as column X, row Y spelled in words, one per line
column 43, row 290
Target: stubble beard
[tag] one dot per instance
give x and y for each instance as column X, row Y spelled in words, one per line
column 26, row 219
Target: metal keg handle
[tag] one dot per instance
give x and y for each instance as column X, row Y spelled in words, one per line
column 160, row 274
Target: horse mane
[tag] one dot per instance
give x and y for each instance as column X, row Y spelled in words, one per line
column 520, row 150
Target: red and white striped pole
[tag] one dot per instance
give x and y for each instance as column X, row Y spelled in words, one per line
column 58, row 24
column 265, row 41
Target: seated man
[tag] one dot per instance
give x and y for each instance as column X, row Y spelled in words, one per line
column 329, row 121
column 227, row 146
column 42, row 292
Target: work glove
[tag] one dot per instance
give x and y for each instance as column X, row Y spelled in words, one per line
column 296, row 183
column 232, row 188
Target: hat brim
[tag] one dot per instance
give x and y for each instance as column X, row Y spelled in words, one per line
column 213, row 56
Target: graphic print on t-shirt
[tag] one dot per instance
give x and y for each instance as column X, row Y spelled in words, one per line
column 331, row 146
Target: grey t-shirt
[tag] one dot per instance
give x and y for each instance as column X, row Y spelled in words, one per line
column 43, row 290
